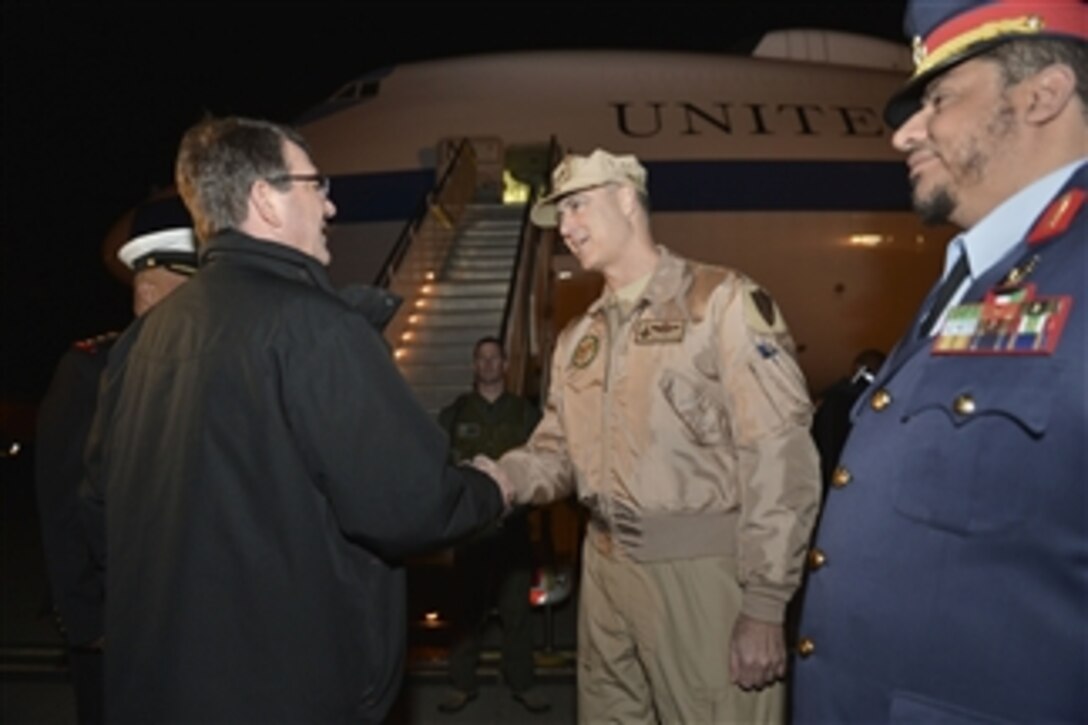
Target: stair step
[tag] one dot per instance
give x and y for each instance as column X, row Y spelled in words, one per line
column 413, row 353
column 493, row 303
column 478, row 275
column 459, row 319
column 495, row 212
column 489, row 224
column 468, row 289
column 448, row 336
column 499, row 263
column 481, row 241
column 489, row 252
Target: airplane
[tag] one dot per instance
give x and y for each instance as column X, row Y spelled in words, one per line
column 777, row 164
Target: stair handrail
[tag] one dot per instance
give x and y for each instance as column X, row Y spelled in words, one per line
column 528, row 295
column 421, row 252
column 426, row 205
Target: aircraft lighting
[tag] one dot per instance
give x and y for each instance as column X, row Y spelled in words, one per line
column 867, row 240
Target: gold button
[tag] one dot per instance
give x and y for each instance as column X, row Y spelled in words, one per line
column 881, row 399
column 805, row 647
column 964, row 404
column 840, row 477
column 816, row 558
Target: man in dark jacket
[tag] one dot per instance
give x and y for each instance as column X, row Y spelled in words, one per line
column 160, row 262
column 257, row 465
column 831, row 422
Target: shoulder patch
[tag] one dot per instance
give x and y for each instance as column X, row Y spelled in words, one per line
column 98, row 343
column 1058, row 216
column 760, row 312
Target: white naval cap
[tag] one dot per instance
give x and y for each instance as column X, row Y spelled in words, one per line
column 173, row 248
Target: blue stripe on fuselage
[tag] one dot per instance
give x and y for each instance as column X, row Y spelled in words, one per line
column 778, row 186
column 675, row 186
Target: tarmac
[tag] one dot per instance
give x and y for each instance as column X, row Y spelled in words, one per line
column 35, row 685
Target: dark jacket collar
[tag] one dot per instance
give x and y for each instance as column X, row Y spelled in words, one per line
column 376, row 304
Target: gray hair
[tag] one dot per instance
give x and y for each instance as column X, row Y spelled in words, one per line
column 219, row 160
column 1021, row 59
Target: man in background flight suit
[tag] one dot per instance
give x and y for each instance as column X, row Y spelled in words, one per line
column 493, row 567
column 679, row 417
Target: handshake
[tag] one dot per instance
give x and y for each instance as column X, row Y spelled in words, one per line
column 492, row 469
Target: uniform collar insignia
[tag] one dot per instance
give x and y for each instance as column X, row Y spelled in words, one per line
column 1058, row 216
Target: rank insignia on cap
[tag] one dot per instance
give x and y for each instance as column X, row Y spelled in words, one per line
column 562, row 174
column 650, row 332
column 585, row 351
column 948, row 32
column 1058, row 216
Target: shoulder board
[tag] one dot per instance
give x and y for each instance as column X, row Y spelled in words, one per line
column 98, row 343
column 1058, row 216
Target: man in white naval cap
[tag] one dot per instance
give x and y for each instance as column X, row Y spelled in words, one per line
column 160, row 261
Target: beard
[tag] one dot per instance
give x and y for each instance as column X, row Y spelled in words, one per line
column 936, row 208
column 968, row 168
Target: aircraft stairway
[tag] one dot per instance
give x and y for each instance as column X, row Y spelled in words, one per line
column 465, row 301
column 470, row 265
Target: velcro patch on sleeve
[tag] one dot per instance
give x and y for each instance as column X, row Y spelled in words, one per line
column 761, row 314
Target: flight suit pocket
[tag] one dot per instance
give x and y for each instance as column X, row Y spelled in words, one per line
column 974, row 429
column 701, row 415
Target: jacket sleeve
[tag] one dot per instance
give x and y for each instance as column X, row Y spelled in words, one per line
column 375, row 453
column 92, row 487
column 64, row 418
column 541, row 471
column 778, row 467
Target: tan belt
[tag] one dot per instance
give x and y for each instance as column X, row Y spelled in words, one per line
column 660, row 537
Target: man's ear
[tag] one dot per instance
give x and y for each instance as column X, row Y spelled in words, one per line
column 264, row 203
column 1052, row 90
column 627, row 198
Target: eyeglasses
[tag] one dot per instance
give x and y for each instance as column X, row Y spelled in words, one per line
column 321, row 182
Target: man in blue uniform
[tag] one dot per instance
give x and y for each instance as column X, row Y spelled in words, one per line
column 949, row 577
column 160, row 261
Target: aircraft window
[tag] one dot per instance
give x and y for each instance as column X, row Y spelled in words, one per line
column 358, row 89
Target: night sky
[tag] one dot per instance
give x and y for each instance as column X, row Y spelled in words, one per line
column 96, row 96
